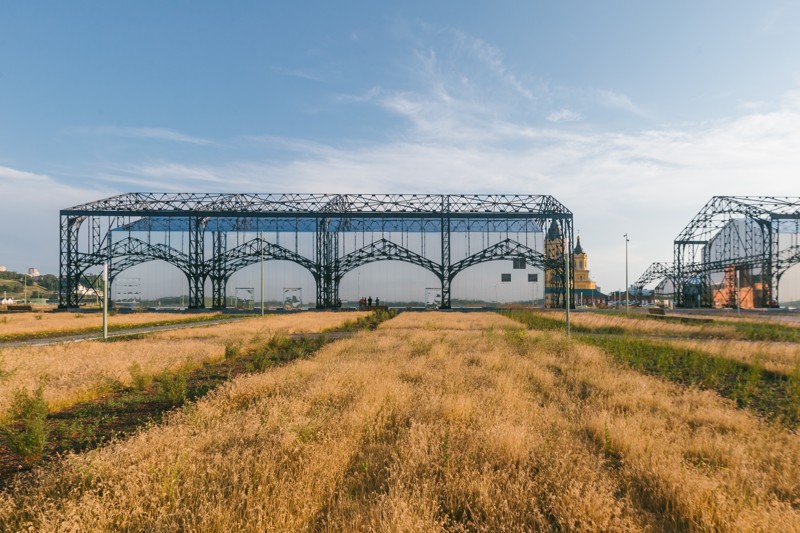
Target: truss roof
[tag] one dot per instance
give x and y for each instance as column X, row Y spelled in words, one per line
column 314, row 205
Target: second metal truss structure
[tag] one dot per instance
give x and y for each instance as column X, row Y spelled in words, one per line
column 755, row 237
column 120, row 231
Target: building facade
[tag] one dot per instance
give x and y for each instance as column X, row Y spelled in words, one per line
column 585, row 291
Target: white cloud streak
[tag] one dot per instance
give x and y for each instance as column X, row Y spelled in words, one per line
column 152, row 134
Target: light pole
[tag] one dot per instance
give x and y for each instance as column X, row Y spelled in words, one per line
column 261, row 246
column 105, row 301
column 566, row 283
column 626, row 273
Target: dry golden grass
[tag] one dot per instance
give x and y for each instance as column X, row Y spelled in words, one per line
column 437, row 421
column 783, row 357
column 397, row 430
column 64, row 321
column 649, row 327
column 81, row 371
column 690, row 456
column 717, row 339
column 433, row 321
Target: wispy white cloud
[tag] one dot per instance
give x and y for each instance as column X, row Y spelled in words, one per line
column 615, row 100
column 29, row 210
column 154, row 134
column 647, row 182
column 491, row 57
column 564, row 115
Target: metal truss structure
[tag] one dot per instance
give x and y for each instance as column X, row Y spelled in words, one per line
column 212, row 236
column 752, row 237
column 664, row 273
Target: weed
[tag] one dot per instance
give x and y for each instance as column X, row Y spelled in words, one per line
column 3, row 372
column 37, row 316
column 141, row 380
column 233, row 349
column 261, row 361
column 518, row 340
column 766, row 332
column 369, row 322
column 420, row 347
column 107, row 385
column 25, row 431
column 280, row 349
column 171, row 387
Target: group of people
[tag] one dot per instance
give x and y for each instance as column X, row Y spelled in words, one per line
column 367, row 301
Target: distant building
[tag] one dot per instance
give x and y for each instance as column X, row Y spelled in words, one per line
column 585, row 292
column 33, row 272
column 751, row 289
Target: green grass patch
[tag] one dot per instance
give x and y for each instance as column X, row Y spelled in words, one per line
column 765, row 331
column 773, row 395
column 280, row 350
column 25, row 431
column 122, row 410
column 369, row 322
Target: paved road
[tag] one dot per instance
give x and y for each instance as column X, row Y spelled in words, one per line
column 119, row 333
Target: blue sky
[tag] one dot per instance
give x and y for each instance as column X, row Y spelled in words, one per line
column 632, row 114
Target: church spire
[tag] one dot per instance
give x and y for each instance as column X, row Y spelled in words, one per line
column 579, row 248
column 554, row 233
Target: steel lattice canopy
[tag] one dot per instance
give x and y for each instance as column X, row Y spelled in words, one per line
column 316, row 205
column 720, row 209
column 336, row 224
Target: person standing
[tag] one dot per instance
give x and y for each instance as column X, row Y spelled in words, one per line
column 369, row 301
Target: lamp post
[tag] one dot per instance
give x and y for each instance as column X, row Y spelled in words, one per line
column 626, row 273
column 105, row 301
column 566, row 283
column 261, row 246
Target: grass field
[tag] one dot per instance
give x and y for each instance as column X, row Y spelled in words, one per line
column 21, row 326
column 81, row 371
column 435, row 421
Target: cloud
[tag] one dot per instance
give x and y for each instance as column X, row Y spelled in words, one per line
column 29, row 210
column 461, row 137
column 564, row 115
column 154, row 134
column 615, row 100
column 491, row 57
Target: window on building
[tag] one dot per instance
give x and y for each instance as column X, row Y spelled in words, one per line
column 505, row 277
column 519, row 264
column 533, row 278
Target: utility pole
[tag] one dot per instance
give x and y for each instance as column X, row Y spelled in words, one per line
column 566, row 282
column 261, row 244
column 626, row 274
column 105, row 301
